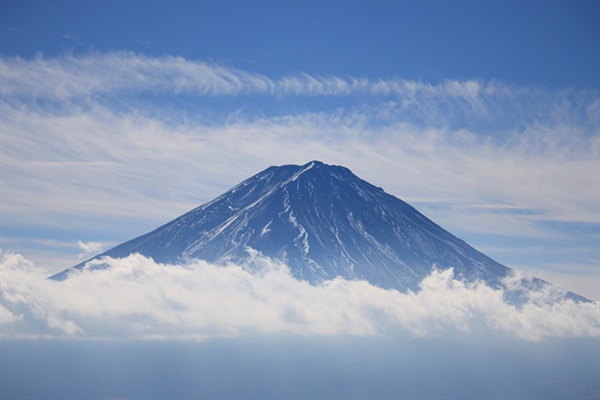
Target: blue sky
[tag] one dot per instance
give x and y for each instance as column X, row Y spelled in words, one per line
column 117, row 117
column 548, row 44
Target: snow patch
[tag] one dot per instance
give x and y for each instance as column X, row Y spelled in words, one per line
column 297, row 175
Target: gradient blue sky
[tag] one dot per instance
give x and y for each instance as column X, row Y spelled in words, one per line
column 119, row 116
column 549, row 44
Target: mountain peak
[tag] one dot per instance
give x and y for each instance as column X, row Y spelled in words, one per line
column 316, row 166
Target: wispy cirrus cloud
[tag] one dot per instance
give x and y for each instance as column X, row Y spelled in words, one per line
column 79, row 78
column 74, row 76
column 123, row 72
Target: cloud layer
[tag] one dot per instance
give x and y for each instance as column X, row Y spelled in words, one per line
column 137, row 298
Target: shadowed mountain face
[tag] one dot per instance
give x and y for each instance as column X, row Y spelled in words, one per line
column 322, row 221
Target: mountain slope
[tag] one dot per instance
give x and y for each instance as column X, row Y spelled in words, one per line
column 323, row 222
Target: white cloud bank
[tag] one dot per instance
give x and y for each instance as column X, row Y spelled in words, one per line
column 138, row 298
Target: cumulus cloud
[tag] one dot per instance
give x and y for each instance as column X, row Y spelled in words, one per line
column 138, row 298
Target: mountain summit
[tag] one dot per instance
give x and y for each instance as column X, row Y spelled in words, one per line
column 323, row 222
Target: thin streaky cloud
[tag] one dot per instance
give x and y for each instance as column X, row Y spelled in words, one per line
column 485, row 106
column 72, row 76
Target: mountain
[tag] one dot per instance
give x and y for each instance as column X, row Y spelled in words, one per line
column 322, row 221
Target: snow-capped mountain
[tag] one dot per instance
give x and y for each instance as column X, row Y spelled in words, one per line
column 322, row 221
